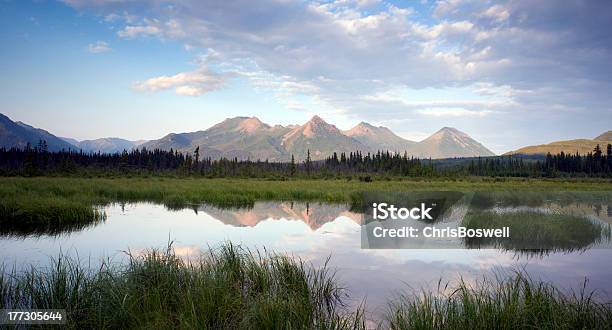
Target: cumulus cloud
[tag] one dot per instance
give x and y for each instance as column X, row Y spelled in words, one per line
column 193, row 83
column 98, row 47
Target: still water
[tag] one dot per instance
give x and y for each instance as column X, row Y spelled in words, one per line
column 316, row 232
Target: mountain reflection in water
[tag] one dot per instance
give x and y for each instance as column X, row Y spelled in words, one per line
column 314, row 215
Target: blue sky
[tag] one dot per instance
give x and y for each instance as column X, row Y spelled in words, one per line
column 508, row 73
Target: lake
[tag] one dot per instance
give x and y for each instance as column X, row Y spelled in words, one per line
column 318, row 231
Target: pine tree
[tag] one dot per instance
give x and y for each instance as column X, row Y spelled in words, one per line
column 196, row 154
column 609, row 157
column 292, row 166
column 308, row 162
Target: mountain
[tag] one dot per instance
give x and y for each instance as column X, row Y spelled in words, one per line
column 321, row 138
column 107, row 145
column 607, row 136
column 72, row 141
column 581, row 146
column 377, row 138
column 18, row 134
column 241, row 137
column 449, row 142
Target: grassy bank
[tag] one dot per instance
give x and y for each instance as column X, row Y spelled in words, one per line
column 230, row 288
column 48, row 201
column 514, row 303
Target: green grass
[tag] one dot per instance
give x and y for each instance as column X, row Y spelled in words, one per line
column 31, row 214
column 513, row 303
column 536, row 231
column 228, row 288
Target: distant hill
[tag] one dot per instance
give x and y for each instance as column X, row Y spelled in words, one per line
column 607, row 136
column 18, row 134
column 378, row 138
column 106, row 145
column 449, row 142
column 72, row 141
column 581, row 146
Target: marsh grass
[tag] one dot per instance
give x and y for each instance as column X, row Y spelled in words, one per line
column 227, row 288
column 35, row 215
column 517, row 302
column 536, row 231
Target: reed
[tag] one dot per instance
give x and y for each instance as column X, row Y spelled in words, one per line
column 537, row 231
column 517, row 302
column 227, row 288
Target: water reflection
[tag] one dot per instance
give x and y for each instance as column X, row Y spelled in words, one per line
column 25, row 228
column 314, row 215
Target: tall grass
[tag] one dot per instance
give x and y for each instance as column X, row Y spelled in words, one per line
column 228, row 288
column 514, row 303
column 536, row 231
column 31, row 214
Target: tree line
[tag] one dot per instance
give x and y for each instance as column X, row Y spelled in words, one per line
column 593, row 164
column 37, row 160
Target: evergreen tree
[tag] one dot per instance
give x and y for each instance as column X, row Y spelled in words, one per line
column 308, row 161
column 292, row 166
column 196, row 154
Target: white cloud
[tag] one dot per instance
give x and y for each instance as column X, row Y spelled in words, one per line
column 116, row 17
column 130, row 31
column 498, row 13
column 111, row 17
column 99, row 47
column 454, row 112
column 193, row 83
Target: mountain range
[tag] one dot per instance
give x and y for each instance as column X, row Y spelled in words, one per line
column 250, row 138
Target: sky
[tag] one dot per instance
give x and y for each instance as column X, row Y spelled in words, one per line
column 508, row 73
